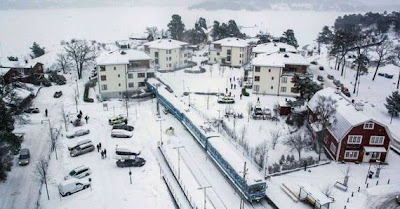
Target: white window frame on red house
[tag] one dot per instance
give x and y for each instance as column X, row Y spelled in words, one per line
column 377, row 140
column 350, row 139
column 369, row 126
column 332, row 148
column 351, row 154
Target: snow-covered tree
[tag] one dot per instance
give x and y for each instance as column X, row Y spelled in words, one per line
column 40, row 174
column 383, row 51
column 80, row 52
column 296, row 142
column 176, row 27
column 393, row 104
column 63, row 62
column 289, row 38
column 37, row 51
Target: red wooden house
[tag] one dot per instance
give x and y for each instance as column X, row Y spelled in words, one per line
column 353, row 136
column 23, row 74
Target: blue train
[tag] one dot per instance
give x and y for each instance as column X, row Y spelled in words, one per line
column 228, row 160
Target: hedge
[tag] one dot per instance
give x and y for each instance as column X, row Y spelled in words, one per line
column 244, row 92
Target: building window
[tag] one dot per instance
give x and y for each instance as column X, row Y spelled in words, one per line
column 272, row 78
column 257, row 69
column 170, row 51
column 150, row 75
column 256, row 78
column 156, row 61
column 142, row 84
column 284, row 79
column 119, row 85
column 240, row 61
column 141, row 75
column 269, row 70
column 130, row 85
column 256, row 88
column 376, row 140
column 155, row 54
column 228, row 52
column 166, row 58
column 103, row 78
column 351, row 155
column 272, row 87
column 130, row 75
column 104, row 87
column 102, row 68
column 354, row 139
column 119, row 75
column 170, row 58
column 332, row 148
column 184, row 55
column 217, row 53
column 215, row 59
column 283, row 89
column 368, row 125
column 115, row 68
column 376, row 155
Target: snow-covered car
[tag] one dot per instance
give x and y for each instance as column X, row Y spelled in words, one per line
column 24, row 157
column 226, row 100
column 82, row 149
column 136, row 162
column 320, row 78
column 120, row 133
column 57, row 94
column 123, row 127
column 80, row 132
column 116, row 120
column 124, row 153
column 86, row 141
column 79, row 172
column 71, row 186
column 32, row 110
column 337, row 83
column 330, row 77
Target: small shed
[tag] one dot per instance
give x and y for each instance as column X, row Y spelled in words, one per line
column 313, row 195
column 283, row 108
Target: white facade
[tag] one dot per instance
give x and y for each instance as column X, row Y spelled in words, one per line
column 168, row 54
column 273, row 74
column 123, row 71
column 229, row 51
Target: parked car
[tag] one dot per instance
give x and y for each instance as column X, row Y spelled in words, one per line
column 24, row 156
column 330, row 77
column 314, row 63
column 205, row 54
column 117, row 120
column 345, row 91
column 71, row 186
column 58, row 79
column 381, row 74
column 119, row 133
column 320, row 78
column 57, row 94
column 337, row 83
column 321, row 68
column 80, row 132
column 123, row 126
column 135, row 162
column 388, row 76
column 82, row 149
column 398, row 199
column 32, row 110
column 86, row 141
column 79, row 172
column 226, row 100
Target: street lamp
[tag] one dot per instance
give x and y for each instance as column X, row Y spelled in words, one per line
column 179, row 159
column 205, row 194
column 161, row 120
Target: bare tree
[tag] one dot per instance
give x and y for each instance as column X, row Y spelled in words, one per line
column 80, row 52
column 383, row 51
column 76, row 99
column 328, row 190
column 296, row 142
column 40, row 173
column 152, row 33
column 54, row 143
column 65, row 117
column 275, row 135
column 346, row 177
column 325, row 110
column 396, row 53
column 249, row 109
column 63, row 62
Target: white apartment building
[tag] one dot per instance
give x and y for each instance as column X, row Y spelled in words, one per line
column 273, row 73
column 272, row 47
column 168, row 53
column 123, row 71
column 233, row 52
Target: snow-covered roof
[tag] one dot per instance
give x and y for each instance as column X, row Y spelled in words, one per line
column 16, row 95
column 315, row 193
column 165, row 44
column 3, row 71
column 279, row 60
column 346, row 114
column 269, row 48
column 4, row 62
column 374, row 149
column 121, row 57
column 233, row 42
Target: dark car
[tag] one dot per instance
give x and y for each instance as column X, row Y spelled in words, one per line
column 345, row 91
column 330, row 77
column 314, row 63
column 320, row 78
column 123, row 126
column 337, row 83
column 57, row 94
column 321, row 68
column 32, row 110
column 136, row 162
column 388, row 76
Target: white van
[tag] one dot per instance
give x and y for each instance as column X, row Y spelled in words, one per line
column 71, row 186
column 119, row 133
column 79, row 172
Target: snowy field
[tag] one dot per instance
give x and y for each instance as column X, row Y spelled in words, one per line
column 20, row 28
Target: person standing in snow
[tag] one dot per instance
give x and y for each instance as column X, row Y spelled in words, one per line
column 45, row 112
column 86, row 118
column 105, row 153
column 98, row 148
column 100, row 145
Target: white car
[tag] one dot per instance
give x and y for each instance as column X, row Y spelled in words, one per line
column 80, row 132
column 79, row 172
column 71, row 186
column 120, row 133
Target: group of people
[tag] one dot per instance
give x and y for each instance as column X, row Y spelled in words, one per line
column 102, row 152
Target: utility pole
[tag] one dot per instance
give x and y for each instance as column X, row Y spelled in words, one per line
column 205, row 195
column 179, row 159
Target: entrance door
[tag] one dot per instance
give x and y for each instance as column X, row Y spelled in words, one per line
column 367, row 157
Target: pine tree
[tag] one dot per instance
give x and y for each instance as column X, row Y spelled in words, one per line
column 202, row 22
column 176, row 27
column 393, row 104
column 326, row 36
column 289, row 38
column 37, row 50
